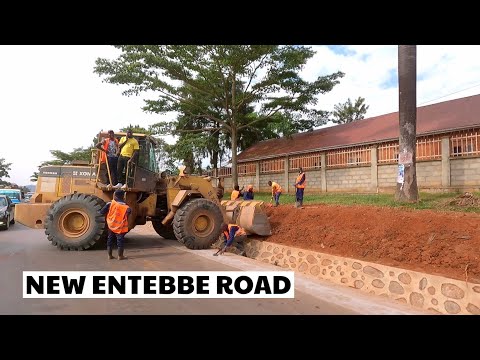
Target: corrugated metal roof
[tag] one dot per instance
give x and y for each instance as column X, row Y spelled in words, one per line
column 441, row 117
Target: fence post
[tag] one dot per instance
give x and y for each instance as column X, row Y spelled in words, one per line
column 287, row 185
column 257, row 176
column 323, row 171
column 374, row 168
column 446, row 162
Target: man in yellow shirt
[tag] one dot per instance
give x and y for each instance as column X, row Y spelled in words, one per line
column 128, row 148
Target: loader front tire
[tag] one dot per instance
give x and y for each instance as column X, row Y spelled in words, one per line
column 198, row 223
column 165, row 232
column 74, row 222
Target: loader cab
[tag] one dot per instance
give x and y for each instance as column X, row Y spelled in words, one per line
column 142, row 176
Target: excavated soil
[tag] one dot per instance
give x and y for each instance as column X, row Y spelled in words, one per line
column 438, row 243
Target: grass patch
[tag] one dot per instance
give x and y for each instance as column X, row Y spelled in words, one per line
column 432, row 201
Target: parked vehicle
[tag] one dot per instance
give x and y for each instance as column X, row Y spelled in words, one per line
column 7, row 212
column 15, row 195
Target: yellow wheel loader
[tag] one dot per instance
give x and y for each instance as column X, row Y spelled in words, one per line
column 68, row 199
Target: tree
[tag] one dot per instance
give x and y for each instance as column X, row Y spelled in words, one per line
column 407, row 190
column 63, row 158
column 348, row 112
column 200, row 80
column 4, row 169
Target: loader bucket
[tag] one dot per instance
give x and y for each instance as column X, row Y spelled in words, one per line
column 249, row 214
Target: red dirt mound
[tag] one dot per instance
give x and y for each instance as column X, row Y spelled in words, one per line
column 439, row 243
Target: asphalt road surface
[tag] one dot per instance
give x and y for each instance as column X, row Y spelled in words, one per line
column 23, row 249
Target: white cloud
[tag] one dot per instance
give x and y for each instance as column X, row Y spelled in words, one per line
column 51, row 99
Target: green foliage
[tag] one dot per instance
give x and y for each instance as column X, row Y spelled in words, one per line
column 215, row 88
column 431, row 201
column 348, row 112
column 4, row 169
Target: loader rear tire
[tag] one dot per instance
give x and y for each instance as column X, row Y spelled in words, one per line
column 165, row 232
column 74, row 222
column 198, row 224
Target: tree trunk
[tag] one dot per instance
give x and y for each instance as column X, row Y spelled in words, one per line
column 214, row 158
column 234, row 156
column 407, row 190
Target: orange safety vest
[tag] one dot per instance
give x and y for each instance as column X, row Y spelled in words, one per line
column 103, row 156
column 299, row 177
column 239, row 232
column 117, row 217
column 276, row 188
column 235, row 195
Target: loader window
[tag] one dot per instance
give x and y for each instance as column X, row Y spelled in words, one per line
column 147, row 156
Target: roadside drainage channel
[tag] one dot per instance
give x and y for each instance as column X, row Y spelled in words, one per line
column 424, row 291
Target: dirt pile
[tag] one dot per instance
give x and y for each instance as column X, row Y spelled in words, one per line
column 467, row 199
column 440, row 243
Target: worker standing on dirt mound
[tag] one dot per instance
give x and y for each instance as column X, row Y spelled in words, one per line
column 276, row 191
column 236, row 194
column 248, row 195
column 233, row 234
column 300, row 183
column 117, row 221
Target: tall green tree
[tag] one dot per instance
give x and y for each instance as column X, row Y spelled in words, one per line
column 348, row 112
column 64, row 158
column 4, row 169
column 268, row 76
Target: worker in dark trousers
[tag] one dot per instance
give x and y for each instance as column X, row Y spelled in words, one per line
column 233, row 234
column 117, row 220
column 300, row 183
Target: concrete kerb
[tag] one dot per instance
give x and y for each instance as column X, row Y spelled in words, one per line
column 361, row 303
column 436, row 294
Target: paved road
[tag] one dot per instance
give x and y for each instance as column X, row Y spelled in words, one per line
column 22, row 248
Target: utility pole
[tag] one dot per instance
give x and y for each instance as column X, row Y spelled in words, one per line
column 407, row 190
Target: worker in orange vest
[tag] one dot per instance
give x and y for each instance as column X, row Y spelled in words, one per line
column 117, row 220
column 237, row 193
column 232, row 233
column 108, row 148
column 300, row 183
column 276, row 191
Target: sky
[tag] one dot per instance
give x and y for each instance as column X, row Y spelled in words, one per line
column 50, row 99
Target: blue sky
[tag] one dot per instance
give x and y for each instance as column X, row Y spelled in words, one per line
column 50, row 98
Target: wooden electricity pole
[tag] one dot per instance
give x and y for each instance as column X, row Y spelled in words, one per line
column 407, row 190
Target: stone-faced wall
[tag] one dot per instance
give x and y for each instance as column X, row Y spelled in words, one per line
column 465, row 172
column 435, row 293
column 349, row 179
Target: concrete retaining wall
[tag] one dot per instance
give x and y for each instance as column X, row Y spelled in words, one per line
column 465, row 172
column 431, row 292
column 349, row 179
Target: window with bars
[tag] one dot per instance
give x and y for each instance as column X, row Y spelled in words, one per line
column 388, row 153
column 428, row 148
column 247, row 169
column 306, row 162
column 272, row 166
column 225, row 172
column 464, row 143
column 360, row 155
